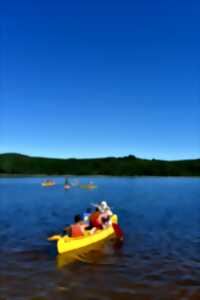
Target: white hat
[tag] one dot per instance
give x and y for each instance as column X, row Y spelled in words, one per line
column 102, row 206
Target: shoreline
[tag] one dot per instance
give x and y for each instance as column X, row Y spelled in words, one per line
column 2, row 176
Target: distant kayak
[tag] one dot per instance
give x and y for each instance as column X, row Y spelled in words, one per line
column 88, row 186
column 48, row 183
column 67, row 186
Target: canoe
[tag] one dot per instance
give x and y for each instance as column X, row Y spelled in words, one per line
column 47, row 184
column 66, row 243
column 90, row 254
column 88, row 186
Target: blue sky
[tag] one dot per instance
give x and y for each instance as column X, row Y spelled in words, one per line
column 101, row 78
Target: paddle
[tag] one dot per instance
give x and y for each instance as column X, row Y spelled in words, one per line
column 118, row 231
column 56, row 237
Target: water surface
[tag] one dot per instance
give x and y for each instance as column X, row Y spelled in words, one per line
column 159, row 259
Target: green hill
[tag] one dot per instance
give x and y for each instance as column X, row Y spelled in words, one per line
column 13, row 163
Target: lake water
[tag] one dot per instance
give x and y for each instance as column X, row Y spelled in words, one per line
column 159, row 259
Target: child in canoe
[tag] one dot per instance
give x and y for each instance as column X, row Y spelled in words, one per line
column 78, row 228
column 100, row 219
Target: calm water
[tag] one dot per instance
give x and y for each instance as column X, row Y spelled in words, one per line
column 159, row 259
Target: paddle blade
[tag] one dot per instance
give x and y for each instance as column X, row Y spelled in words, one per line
column 118, row 231
column 54, row 237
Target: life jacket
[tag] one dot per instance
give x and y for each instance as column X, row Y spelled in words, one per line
column 75, row 230
column 94, row 220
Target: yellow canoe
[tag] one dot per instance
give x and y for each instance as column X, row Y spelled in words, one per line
column 88, row 186
column 90, row 254
column 66, row 243
column 46, row 184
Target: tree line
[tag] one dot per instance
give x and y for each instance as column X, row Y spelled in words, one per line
column 118, row 166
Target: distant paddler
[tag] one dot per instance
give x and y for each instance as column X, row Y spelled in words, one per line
column 90, row 185
column 67, row 185
column 48, row 183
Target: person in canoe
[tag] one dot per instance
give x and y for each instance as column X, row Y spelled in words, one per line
column 67, row 185
column 101, row 218
column 48, row 182
column 98, row 220
column 104, row 208
column 66, row 180
column 78, row 228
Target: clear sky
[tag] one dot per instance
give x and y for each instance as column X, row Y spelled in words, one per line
column 100, row 78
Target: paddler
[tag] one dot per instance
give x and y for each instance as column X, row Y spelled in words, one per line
column 100, row 219
column 66, row 181
column 104, row 208
column 78, row 228
column 95, row 219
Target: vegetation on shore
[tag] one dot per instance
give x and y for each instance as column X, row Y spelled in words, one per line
column 11, row 163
